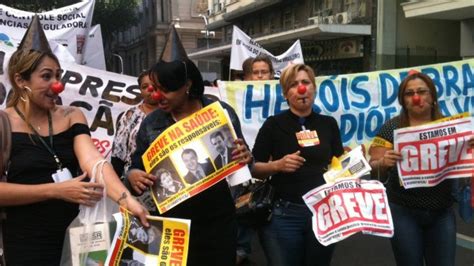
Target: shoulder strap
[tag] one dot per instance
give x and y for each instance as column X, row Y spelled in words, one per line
column 5, row 141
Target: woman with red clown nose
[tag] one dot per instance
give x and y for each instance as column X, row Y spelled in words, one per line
column 127, row 127
column 51, row 155
column 212, row 211
column 424, row 221
column 294, row 148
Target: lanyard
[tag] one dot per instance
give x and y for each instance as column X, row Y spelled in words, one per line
column 301, row 120
column 50, row 127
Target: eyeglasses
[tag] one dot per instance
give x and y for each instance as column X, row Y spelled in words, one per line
column 261, row 72
column 421, row 92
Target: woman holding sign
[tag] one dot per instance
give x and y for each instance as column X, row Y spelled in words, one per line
column 424, row 222
column 51, row 147
column 294, row 148
column 212, row 212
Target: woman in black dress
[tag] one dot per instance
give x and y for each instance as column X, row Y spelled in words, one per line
column 50, row 145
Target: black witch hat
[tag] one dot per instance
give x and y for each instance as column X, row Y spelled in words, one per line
column 173, row 50
column 34, row 38
column 174, row 68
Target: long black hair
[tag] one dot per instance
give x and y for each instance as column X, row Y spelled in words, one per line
column 174, row 75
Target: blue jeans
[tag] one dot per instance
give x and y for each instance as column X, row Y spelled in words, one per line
column 289, row 238
column 244, row 240
column 423, row 236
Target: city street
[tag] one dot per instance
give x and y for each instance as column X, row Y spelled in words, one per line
column 365, row 250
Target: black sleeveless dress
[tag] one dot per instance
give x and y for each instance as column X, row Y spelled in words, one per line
column 34, row 233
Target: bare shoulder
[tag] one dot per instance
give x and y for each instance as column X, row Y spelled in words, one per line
column 71, row 114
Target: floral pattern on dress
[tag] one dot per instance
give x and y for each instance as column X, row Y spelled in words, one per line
column 125, row 145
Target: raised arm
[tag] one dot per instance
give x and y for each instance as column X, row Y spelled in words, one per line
column 88, row 155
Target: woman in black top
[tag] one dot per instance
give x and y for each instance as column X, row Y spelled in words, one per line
column 212, row 212
column 296, row 165
column 50, row 145
column 424, row 222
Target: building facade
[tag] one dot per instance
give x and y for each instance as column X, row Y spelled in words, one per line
column 335, row 35
column 139, row 47
column 407, row 36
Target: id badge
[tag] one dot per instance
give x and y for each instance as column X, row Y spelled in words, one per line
column 62, row 175
column 307, row 138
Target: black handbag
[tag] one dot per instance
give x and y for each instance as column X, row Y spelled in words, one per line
column 255, row 203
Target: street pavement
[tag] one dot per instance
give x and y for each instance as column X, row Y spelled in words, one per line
column 366, row 250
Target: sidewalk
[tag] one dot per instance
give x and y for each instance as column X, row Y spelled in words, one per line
column 366, row 250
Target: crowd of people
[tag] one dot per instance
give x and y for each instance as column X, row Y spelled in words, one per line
column 51, row 141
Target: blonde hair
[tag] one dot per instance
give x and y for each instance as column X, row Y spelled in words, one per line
column 289, row 75
column 24, row 63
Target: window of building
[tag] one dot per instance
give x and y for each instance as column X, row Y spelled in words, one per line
column 228, row 33
column 288, row 19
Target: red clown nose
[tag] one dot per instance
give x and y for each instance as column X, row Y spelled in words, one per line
column 416, row 100
column 57, row 87
column 156, row 96
column 301, row 89
column 150, row 88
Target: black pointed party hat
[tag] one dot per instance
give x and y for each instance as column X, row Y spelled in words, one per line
column 34, row 38
column 173, row 50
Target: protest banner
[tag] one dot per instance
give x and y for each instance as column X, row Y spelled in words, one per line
column 360, row 102
column 185, row 160
column 68, row 26
column 435, row 152
column 165, row 242
column 94, row 55
column 244, row 47
column 101, row 95
column 349, row 206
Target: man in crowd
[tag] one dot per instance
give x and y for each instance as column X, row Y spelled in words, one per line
column 224, row 153
column 196, row 170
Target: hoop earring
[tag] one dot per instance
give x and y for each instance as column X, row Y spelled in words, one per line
column 27, row 89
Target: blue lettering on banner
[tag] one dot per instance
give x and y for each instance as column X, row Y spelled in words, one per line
column 468, row 78
column 345, row 97
column 362, row 103
column 250, row 104
column 361, row 92
column 388, row 89
column 451, row 78
column 328, row 87
column 359, row 126
column 280, row 102
column 434, row 75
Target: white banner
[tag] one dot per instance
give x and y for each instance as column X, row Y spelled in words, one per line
column 435, row 152
column 94, row 51
column 68, row 26
column 360, row 102
column 101, row 95
column 244, row 47
column 347, row 207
